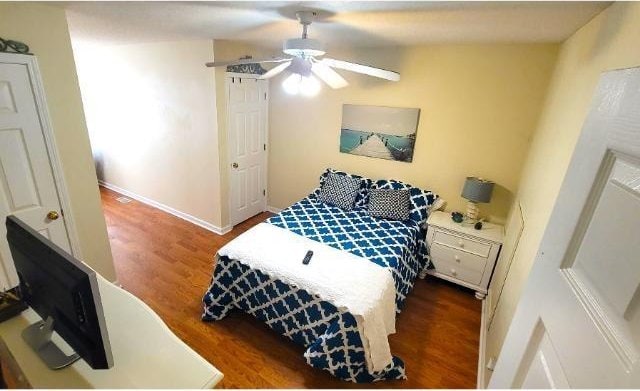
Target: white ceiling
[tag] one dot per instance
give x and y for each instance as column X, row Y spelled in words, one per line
column 348, row 23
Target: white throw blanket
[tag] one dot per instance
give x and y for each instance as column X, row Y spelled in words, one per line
column 349, row 282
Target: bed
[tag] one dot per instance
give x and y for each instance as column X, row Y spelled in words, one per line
column 332, row 335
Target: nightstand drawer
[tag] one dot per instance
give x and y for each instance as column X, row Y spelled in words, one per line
column 462, row 243
column 457, row 271
column 460, row 259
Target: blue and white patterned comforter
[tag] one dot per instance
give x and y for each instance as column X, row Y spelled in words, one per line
column 398, row 246
column 329, row 334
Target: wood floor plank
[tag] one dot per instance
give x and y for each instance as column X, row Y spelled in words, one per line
column 167, row 262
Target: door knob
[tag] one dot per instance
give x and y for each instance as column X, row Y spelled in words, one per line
column 234, row 165
column 53, row 215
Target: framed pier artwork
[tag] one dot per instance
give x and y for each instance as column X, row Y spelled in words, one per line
column 379, row 132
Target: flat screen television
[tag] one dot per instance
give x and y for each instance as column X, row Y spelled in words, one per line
column 64, row 292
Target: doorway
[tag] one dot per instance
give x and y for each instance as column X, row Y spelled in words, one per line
column 247, row 119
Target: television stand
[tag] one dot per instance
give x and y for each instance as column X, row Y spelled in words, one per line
column 38, row 337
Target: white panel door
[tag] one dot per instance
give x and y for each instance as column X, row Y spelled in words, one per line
column 577, row 324
column 247, row 128
column 27, row 187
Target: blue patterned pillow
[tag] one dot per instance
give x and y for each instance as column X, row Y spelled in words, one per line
column 389, row 204
column 340, row 191
column 362, row 199
column 421, row 200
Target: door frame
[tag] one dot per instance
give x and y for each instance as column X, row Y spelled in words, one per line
column 31, row 62
column 265, row 102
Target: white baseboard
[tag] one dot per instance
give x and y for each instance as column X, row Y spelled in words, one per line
column 273, row 209
column 482, row 349
column 185, row 216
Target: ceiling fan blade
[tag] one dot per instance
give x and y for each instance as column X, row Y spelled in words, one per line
column 328, row 75
column 359, row 68
column 276, row 70
column 245, row 61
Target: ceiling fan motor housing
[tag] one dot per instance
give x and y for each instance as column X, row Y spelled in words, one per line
column 300, row 66
column 303, row 47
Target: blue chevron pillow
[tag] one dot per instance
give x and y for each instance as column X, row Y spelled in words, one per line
column 362, row 199
column 421, row 200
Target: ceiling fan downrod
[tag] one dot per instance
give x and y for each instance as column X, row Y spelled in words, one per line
column 305, row 18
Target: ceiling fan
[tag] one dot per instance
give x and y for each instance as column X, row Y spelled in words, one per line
column 304, row 63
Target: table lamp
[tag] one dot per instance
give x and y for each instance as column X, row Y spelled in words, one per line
column 476, row 190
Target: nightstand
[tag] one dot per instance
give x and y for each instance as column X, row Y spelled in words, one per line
column 462, row 254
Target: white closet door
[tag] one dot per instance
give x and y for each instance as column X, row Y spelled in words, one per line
column 247, row 128
column 577, row 324
column 27, row 186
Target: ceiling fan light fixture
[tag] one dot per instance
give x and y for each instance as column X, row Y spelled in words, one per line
column 303, row 47
column 296, row 84
column 291, row 85
column 309, row 86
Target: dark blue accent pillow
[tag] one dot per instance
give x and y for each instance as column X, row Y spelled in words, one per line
column 362, row 199
column 339, row 190
column 389, row 204
column 421, row 200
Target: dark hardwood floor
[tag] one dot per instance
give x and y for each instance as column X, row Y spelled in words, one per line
column 167, row 262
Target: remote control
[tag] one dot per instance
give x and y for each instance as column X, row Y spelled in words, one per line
column 307, row 258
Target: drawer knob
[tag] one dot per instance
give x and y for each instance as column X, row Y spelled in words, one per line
column 461, row 243
column 454, row 272
column 457, row 258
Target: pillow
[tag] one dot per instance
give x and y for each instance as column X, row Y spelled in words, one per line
column 363, row 193
column 421, row 200
column 339, row 190
column 389, row 204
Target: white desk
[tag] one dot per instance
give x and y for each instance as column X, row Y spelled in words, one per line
column 146, row 353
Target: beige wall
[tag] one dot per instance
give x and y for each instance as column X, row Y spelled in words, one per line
column 479, row 106
column 44, row 29
column 609, row 41
column 152, row 120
